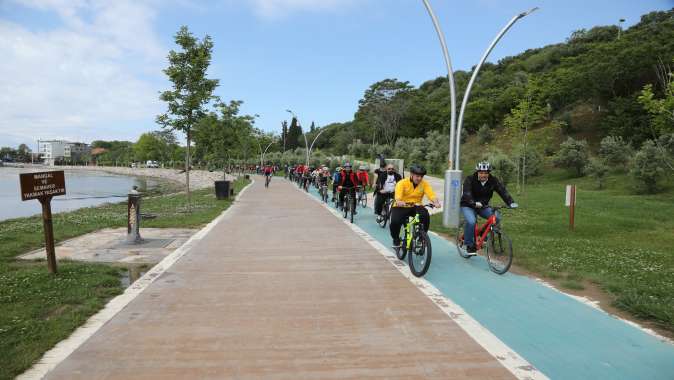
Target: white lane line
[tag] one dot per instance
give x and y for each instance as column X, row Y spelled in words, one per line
column 63, row 349
column 510, row 359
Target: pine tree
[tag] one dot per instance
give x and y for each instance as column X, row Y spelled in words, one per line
column 294, row 135
column 284, row 133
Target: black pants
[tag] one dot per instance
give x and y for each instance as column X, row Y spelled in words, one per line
column 379, row 200
column 399, row 216
column 342, row 194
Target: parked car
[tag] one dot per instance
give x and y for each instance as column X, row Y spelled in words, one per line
column 152, row 164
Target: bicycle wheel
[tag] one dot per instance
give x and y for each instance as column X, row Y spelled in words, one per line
column 363, row 199
column 352, row 207
column 420, row 254
column 460, row 246
column 383, row 218
column 499, row 251
column 402, row 251
column 345, row 209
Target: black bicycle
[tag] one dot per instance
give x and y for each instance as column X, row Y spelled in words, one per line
column 349, row 204
column 385, row 212
column 267, row 180
column 362, row 196
column 324, row 193
column 416, row 242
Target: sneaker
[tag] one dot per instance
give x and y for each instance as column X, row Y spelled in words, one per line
column 471, row 250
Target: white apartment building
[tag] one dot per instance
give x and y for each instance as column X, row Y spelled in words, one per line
column 57, row 150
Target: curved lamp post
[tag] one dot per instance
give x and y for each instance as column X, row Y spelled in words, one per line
column 265, row 152
column 312, row 144
column 303, row 134
column 466, row 95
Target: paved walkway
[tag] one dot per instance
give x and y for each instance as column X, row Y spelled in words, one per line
column 279, row 291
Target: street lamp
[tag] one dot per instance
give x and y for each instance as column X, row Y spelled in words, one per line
column 265, row 152
column 453, row 175
column 306, row 143
column 312, row 143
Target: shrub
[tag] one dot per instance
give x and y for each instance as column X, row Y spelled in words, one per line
column 484, row 135
column 534, row 160
column 503, row 167
column 597, row 169
column 572, row 154
column 614, row 151
column 647, row 167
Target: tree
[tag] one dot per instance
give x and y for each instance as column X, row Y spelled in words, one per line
column 284, row 133
column 646, row 168
column 597, row 169
column 191, row 89
column 572, row 154
column 484, row 134
column 614, row 151
column 294, row 135
column 382, row 108
column 148, row 147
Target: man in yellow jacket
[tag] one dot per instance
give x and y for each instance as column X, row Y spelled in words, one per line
column 409, row 194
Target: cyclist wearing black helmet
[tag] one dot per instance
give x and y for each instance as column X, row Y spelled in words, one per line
column 409, row 194
column 477, row 192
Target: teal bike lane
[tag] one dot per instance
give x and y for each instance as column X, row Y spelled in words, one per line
column 559, row 335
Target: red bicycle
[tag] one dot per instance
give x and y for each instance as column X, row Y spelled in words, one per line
column 498, row 246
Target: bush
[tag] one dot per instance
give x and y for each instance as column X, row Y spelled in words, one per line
column 572, row 154
column 534, row 160
column 503, row 167
column 647, row 167
column 614, row 151
column 484, row 135
column 597, row 169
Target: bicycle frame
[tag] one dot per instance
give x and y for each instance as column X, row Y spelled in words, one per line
column 409, row 227
column 485, row 228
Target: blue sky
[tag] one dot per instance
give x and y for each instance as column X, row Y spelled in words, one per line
column 87, row 69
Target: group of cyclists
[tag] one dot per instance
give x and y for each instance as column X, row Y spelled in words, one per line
column 407, row 193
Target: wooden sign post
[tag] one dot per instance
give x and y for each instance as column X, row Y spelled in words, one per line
column 571, row 203
column 43, row 186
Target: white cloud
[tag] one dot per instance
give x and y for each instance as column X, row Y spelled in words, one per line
column 83, row 77
column 278, row 8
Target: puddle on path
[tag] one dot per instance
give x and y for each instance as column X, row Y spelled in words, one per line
column 132, row 273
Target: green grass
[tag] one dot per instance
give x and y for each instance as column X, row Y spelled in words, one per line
column 623, row 241
column 37, row 310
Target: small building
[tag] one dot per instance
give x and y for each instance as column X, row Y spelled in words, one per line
column 53, row 151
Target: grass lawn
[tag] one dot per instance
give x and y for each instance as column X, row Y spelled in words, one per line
column 623, row 241
column 38, row 310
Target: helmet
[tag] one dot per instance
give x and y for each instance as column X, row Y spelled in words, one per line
column 362, row 167
column 347, row 165
column 339, row 169
column 483, row 166
column 418, row 169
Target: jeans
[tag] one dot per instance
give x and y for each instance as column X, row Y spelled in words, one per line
column 470, row 216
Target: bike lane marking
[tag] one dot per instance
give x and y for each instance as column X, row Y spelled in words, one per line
column 560, row 335
column 510, row 359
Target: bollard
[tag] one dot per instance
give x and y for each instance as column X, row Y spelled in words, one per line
column 133, row 217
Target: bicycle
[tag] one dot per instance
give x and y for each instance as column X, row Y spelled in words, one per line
column 362, row 196
column 500, row 256
column 267, row 180
column 416, row 242
column 385, row 211
column 324, row 193
column 349, row 204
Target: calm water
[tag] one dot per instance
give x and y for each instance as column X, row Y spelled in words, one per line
column 83, row 189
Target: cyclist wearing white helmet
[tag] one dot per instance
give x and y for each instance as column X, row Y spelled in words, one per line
column 478, row 189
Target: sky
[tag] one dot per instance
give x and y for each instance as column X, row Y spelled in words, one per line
column 84, row 70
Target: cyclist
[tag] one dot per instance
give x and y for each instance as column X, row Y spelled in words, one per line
column 336, row 178
column 385, row 187
column 409, row 193
column 268, row 171
column 306, row 177
column 478, row 189
column 347, row 182
column 363, row 177
column 324, row 177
